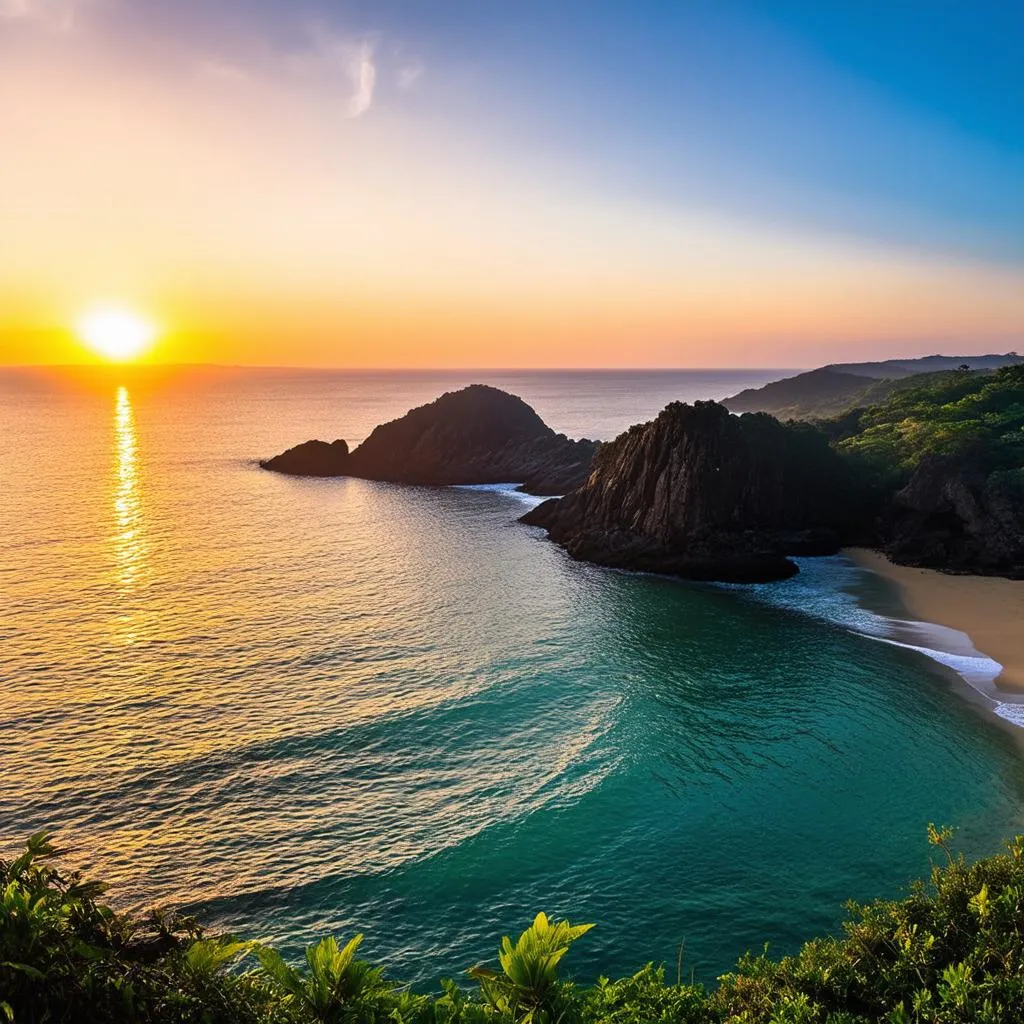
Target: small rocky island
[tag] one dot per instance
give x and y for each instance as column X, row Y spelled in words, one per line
column 700, row 493
column 478, row 435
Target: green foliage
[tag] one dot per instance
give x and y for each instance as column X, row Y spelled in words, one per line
column 953, row 414
column 950, row 952
column 528, row 991
column 336, row 986
column 644, row 997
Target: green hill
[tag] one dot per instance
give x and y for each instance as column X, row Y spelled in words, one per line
column 833, row 390
column 963, row 413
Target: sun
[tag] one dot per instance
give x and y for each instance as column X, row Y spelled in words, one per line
column 116, row 333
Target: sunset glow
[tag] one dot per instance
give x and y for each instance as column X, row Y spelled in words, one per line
column 397, row 186
column 464, row 461
column 116, row 334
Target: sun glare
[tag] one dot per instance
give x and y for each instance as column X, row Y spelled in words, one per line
column 117, row 334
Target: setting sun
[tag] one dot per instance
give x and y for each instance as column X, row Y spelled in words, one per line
column 115, row 333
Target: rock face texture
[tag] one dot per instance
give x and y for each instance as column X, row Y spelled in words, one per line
column 479, row 435
column 955, row 516
column 706, row 495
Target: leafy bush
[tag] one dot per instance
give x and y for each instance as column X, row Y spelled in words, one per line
column 951, row 952
column 528, row 988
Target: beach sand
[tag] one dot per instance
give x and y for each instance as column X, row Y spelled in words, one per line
column 989, row 609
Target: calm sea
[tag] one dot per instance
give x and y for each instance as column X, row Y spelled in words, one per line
column 298, row 707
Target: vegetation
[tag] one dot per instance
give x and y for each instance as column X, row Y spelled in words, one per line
column 831, row 391
column 951, row 951
column 957, row 414
column 822, row 394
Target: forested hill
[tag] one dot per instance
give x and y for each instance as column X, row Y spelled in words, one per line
column 954, row 415
column 947, row 459
column 833, row 390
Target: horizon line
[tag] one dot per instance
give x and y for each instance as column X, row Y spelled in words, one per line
column 318, row 368
column 402, row 369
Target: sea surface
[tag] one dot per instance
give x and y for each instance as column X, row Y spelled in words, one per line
column 297, row 707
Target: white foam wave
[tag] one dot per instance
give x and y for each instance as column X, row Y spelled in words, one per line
column 825, row 589
column 510, row 490
column 1011, row 712
column 979, row 670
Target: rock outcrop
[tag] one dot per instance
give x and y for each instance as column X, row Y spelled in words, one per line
column 479, row 435
column 706, row 495
column 956, row 516
column 311, row 458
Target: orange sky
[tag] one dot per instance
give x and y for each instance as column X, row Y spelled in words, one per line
column 276, row 214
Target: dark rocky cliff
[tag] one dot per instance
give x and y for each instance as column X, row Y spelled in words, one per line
column 955, row 515
column 703, row 494
column 478, row 435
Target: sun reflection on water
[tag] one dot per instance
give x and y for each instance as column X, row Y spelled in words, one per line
column 129, row 538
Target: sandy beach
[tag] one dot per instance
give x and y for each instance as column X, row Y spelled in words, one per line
column 989, row 609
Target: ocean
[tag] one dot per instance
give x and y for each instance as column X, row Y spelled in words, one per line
column 296, row 707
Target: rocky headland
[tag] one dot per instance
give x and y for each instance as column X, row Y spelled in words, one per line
column 933, row 475
column 478, row 435
column 312, row 458
column 706, row 495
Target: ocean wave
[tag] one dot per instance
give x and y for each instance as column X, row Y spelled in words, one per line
column 828, row 589
column 509, row 490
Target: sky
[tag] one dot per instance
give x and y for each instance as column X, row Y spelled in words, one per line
column 502, row 183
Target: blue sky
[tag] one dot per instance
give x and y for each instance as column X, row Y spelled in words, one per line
column 898, row 120
column 453, row 146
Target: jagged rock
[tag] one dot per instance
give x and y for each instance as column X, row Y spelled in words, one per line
column 311, row 458
column 706, row 495
column 956, row 516
column 479, row 435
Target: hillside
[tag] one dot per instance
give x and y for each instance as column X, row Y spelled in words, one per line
column 892, row 369
column 835, row 389
column 950, row 452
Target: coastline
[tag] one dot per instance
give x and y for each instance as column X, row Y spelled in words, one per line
column 989, row 609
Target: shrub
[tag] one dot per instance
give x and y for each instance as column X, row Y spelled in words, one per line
column 951, row 952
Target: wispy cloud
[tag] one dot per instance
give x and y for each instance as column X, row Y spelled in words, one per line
column 363, row 72
column 354, row 59
column 222, row 70
column 409, row 75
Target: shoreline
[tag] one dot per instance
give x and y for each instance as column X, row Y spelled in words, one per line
column 989, row 609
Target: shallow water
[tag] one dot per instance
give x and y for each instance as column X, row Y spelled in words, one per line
column 300, row 706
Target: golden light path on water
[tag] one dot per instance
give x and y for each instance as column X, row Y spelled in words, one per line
column 130, row 549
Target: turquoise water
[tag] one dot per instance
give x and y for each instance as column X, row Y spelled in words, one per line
column 299, row 706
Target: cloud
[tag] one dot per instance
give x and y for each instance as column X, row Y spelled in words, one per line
column 58, row 15
column 409, row 75
column 363, row 72
column 332, row 54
